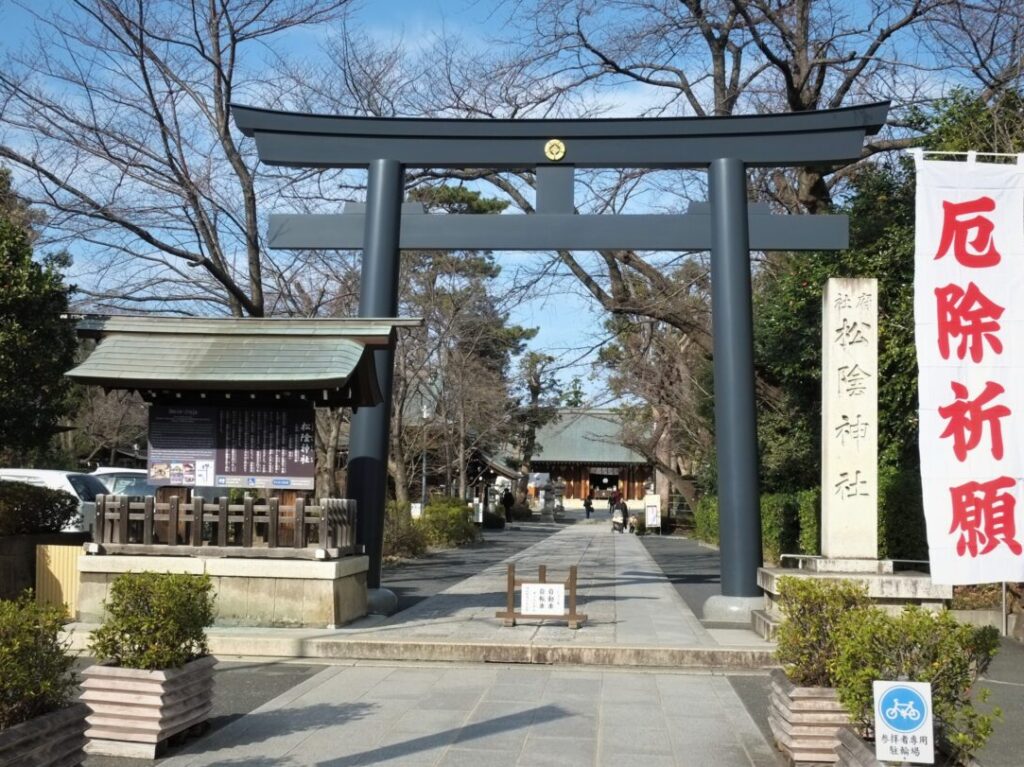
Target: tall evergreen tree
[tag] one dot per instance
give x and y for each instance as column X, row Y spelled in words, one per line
column 36, row 346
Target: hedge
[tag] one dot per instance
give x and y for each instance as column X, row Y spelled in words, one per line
column 28, row 509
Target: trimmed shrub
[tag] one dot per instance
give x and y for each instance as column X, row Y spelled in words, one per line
column 901, row 529
column 919, row 646
column 493, row 521
column 27, row 509
column 706, row 519
column 35, row 667
column 779, row 526
column 447, row 522
column 154, row 620
column 521, row 513
column 807, row 641
column 403, row 537
column 808, row 512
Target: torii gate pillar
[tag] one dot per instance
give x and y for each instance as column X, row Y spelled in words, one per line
column 378, row 297
column 735, row 408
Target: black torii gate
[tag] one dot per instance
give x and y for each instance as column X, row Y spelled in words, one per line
column 726, row 226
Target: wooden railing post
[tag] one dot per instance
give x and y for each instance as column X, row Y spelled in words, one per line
column 101, row 519
column 274, row 513
column 247, row 522
column 300, row 523
column 122, row 520
column 222, row 521
column 197, row 520
column 172, row 520
column 147, row 521
column 325, row 512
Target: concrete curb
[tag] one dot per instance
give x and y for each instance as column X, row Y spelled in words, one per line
column 313, row 644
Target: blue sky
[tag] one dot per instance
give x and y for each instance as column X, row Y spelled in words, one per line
column 566, row 320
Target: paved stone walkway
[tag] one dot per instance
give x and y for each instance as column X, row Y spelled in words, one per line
column 448, row 715
column 364, row 712
column 626, row 597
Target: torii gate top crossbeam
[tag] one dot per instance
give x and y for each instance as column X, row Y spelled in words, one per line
column 322, row 141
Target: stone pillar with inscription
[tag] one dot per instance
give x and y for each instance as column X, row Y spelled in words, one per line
column 849, row 419
column 849, row 467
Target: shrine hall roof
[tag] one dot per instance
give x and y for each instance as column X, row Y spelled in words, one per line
column 585, row 436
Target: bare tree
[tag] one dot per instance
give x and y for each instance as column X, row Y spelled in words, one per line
column 116, row 113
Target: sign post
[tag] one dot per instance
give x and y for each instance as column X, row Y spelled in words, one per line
column 904, row 726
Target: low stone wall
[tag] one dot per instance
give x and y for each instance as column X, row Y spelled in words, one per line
column 284, row 593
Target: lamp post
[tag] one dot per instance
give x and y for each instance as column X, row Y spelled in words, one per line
column 425, row 412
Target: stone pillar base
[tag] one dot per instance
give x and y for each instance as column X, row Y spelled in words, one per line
column 722, row 609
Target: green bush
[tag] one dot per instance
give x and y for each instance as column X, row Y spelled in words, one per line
column 27, row 509
column 779, row 525
column 901, row 530
column 919, row 646
column 807, row 642
column 521, row 513
column 808, row 512
column 154, row 620
column 448, row 523
column 494, row 520
column 705, row 519
column 403, row 537
column 35, row 667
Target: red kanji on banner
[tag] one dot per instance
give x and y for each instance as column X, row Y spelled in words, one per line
column 984, row 515
column 970, row 315
column 974, row 233
column 967, row 419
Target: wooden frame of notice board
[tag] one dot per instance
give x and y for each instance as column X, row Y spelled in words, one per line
column 509, row 615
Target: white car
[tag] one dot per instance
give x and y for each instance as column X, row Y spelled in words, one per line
column 118, row 479
column 84, row 487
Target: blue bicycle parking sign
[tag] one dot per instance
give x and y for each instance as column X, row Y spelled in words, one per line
column 903, row 709
column 904, row 729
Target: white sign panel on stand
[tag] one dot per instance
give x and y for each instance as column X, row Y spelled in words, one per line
column 416, row 510
column 543, row 599
column 904, row 726
column 652, row 511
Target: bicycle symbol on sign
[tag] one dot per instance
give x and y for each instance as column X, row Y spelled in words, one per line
column 903, row 710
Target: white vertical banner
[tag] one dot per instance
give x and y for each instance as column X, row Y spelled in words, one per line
column 969, row 316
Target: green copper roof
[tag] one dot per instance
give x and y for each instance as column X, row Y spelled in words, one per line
column 172, row 354
column 585, row 436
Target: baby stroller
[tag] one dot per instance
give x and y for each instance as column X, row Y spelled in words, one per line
column 620, row 516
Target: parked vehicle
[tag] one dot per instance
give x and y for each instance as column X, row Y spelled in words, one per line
column 84, row 487
column 117, row 478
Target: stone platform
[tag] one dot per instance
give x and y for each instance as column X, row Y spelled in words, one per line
column 887, row 588
column 287, row 593
column 635, row 618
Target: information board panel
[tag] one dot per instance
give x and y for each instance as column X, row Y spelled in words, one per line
column 231, row 447
column 543, row 599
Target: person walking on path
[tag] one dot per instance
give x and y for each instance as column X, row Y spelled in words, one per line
column 588, row 504
column 507, row 500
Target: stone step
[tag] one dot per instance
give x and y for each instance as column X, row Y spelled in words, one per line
column 301, row 643
column 765, row 623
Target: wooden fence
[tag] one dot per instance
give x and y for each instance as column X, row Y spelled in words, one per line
column 57, row 576
column 220, row 528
